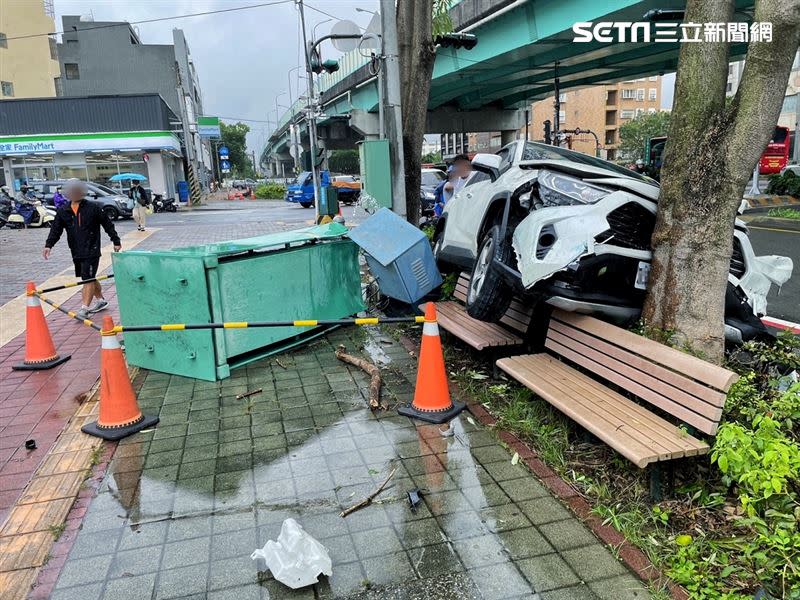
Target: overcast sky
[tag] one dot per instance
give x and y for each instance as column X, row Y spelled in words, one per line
column 242, row 57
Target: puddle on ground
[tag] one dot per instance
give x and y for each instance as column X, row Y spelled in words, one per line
column 182, row 507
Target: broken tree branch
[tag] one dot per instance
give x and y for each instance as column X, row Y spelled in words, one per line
column 371, row 370
column 368, row 500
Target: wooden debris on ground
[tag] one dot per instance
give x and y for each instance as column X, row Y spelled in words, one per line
column 248, row 394
column 368, row 500
column 374, row 372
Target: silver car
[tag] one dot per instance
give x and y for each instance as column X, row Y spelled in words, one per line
column 574, row 231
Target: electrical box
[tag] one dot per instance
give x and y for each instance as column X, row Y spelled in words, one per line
column 399, row 255
column 307, row 274
column 329, row 202
column 376, row 171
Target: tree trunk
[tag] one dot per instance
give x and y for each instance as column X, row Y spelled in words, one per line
column 417, row 54
column 710, row 155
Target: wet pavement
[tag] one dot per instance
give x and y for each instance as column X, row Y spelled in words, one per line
column 184, row 505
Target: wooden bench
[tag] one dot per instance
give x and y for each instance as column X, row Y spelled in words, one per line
column 453, row 317
column 682, row 386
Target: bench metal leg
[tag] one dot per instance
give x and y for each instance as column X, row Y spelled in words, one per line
column 655, row 481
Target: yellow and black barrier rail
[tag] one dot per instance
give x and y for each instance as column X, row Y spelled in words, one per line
column 70, row 313
column 73, row 284
column 258, row 324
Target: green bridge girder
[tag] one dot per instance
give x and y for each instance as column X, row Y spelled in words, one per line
column 514, row 62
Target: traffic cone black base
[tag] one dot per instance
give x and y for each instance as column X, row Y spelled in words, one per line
column 41, row 366
column 112, row 434
column 432, row 416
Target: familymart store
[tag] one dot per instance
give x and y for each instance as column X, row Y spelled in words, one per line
column 94, row 157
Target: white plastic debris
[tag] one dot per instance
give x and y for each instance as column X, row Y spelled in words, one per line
column 296, row 559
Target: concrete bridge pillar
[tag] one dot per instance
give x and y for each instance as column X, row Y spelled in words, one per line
column 507, row 136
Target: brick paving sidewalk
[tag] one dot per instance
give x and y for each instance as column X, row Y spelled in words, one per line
column 37, row 404
column 181, row 507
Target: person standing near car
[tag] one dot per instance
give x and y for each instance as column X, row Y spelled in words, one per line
column 462, row 167
column 58, row 199
column 141, row 200
column 82, row 220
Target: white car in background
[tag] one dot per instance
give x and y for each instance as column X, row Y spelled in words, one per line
column 574, row 231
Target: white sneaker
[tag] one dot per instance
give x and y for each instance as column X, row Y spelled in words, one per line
column 98, row 305
column 83, row 312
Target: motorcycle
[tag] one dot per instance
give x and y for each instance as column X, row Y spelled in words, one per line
column 6, row 208
column 30, row 213
column 161, row 204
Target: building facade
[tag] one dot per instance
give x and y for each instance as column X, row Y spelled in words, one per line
column 601, row 109
column 28, row 65
column 108, row 57
column 91, row 138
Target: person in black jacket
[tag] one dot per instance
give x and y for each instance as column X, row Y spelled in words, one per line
column 82, row 220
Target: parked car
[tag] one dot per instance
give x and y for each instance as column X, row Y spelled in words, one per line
column 243, row 184
column 115, row 204
column 577, row 236
column 349, row 188
column 302, row 190
column 431, row 178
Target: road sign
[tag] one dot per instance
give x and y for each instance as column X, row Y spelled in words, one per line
column 225, row 166
column 223, row 153
column 208, row 127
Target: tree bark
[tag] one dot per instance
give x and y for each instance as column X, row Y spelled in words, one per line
column 710, row 154
column 417, row 54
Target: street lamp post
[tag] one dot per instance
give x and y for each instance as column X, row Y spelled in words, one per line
column 310, row 115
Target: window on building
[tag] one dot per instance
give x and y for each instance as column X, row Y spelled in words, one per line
column 640, row 94
column 654, row 78
column 562, row 97
column 639, row 112
column 3, row 40
column 651, row 111
column 72, row 42
column 8, row 88
column 628, row 94
column 71, row 71
column 652, row 94
column 562, row 116
column 626, row 114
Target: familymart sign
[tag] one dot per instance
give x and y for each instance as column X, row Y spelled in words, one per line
column 87, row 142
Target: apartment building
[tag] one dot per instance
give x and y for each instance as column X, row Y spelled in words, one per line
column 601, row 109
column 28, row 65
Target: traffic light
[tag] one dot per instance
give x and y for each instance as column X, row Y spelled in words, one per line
column 318, row 65
column 456, row 40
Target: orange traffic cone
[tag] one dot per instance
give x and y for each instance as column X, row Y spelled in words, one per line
column 40, row 352
column 119, row 411
column 432, row 401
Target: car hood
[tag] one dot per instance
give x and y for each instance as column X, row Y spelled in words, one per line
column 596, row 175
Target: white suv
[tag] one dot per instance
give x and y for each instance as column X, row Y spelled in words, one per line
column 574, row 231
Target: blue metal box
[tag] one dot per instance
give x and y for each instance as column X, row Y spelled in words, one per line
column 399, row 256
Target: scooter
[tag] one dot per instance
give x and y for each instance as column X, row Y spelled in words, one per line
column 161, row 204
column 6, row 208
column 38, row 215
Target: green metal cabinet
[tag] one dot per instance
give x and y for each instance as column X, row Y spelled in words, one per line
column 376, row 171
column 310, row 273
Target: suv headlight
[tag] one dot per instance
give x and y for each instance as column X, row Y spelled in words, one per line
column 556, row 189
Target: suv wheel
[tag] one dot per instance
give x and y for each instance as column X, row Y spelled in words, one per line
column 489, row 296
column 305, row 204
column 111, row 212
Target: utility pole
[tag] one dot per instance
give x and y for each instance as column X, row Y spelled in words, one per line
column 394, row 117
column 796, row 157
column 556, row 106
column 311, row 115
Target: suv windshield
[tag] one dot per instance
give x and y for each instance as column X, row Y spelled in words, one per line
column 537, row 151
column 301, row 179
column 432, row 178
column 105, row 189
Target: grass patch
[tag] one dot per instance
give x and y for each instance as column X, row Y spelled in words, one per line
column 784, row 213
column 57, row 530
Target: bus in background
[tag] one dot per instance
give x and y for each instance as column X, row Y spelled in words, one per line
column 776, row 156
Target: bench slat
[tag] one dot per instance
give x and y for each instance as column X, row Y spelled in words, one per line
column 703, row 423
column 704, row 393
column 454, row 311
column 641, row 438
column 696, row 368
column 639, row 378
column 651, row 425
column 478, row 334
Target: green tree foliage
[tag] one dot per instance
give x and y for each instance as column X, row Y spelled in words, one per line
column 344, row 161
column 234, row 137
column 432, row 157
column 634, row 134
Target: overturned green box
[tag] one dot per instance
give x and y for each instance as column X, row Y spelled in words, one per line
column 296, row 275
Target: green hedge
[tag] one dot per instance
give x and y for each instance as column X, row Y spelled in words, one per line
column 271, row 191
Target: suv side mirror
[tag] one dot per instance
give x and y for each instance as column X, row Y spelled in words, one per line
column 487, row 163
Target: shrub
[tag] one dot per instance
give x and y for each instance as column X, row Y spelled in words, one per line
column 271, row 191
column 786, row 184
